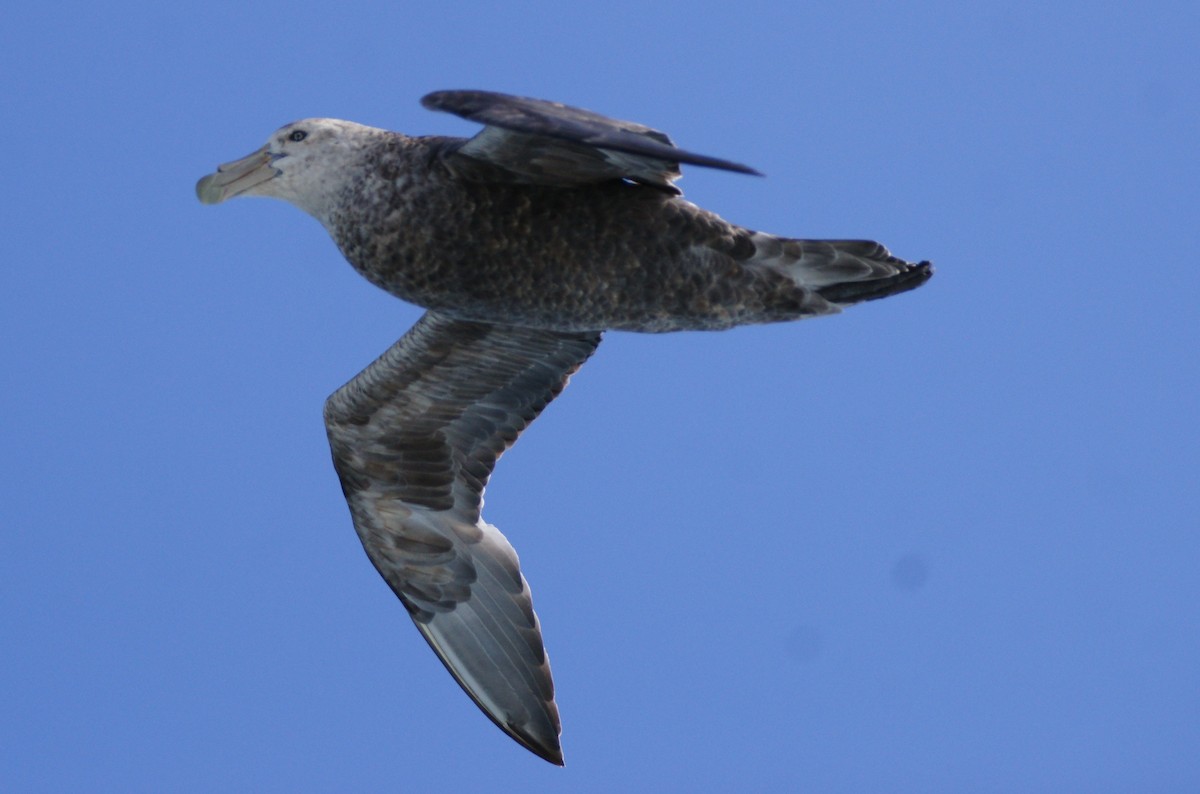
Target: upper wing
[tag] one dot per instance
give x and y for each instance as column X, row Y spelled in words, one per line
column 415, row 437
column 550, row 143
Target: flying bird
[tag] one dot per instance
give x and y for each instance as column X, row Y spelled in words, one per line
column 523, row 244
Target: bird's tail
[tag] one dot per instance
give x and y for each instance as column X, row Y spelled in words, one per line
column 843, row 272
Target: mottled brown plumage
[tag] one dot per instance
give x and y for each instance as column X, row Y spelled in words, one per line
column 524, row 243
column 610, row 255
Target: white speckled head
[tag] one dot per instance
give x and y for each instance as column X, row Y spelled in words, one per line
column 303, row 163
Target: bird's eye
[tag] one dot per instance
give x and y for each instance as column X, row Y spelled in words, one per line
column 297, row 136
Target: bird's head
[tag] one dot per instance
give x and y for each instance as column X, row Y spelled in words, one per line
column 299, row 164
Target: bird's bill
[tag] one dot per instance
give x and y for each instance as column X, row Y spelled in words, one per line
column 235, row 178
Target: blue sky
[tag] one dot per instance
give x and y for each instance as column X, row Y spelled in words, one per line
column 944, row 542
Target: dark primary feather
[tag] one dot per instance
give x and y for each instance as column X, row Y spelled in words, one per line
column 552, row 143
column 415, row 437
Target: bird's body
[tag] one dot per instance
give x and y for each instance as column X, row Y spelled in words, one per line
column 524, row 243
column 610, row 256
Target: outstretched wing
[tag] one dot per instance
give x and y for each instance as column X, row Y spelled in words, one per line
column 415, row 437
column 554, row 144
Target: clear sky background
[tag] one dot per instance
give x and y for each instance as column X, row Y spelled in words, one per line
column 943, row 542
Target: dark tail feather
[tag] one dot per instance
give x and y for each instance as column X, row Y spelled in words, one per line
column 851, row 292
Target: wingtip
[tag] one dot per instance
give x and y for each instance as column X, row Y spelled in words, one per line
column 460, row 101
column 547, row 749
column 546, row 746
column 703, row 160
column 432, row 100
column 741, row 169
